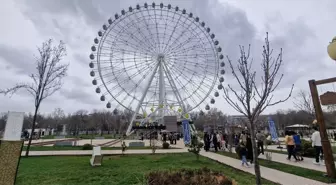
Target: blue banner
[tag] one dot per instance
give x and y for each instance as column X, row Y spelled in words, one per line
column 272, row 129
column 186, row 132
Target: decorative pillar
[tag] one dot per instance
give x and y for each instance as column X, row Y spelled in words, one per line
column 10, row 148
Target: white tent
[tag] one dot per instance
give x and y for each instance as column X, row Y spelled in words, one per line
column 297, row 126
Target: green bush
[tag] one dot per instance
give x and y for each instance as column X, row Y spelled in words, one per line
column 202, row 176
column 307, row 148
column 195, row 146
column 165, row 145
column 87, row 147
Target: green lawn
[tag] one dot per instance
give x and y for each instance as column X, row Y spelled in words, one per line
column 116, row 170
column 51, row 148
column 295, row 170
column 84, row 136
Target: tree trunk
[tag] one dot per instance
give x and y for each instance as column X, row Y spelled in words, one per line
column 255, row 155
column 32, row 132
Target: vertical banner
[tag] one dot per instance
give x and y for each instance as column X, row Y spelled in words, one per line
column 272, row 129
column 186, row 132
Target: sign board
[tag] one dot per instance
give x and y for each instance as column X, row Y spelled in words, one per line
column 272, row 129
column 13, row 127
column 186, row 132
column 171, row 123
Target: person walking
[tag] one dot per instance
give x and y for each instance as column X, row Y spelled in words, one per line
column 219, row 141
column 243, row 154
column 297, row 142
column 316, row 143
column 215, row 141
column 249, row 148
column 290, row 145
column 260, row 141
column 206, row 140
column 243, row 137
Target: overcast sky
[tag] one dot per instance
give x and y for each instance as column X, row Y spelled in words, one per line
column 303, row 30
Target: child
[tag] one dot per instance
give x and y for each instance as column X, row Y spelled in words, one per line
column 243, row 154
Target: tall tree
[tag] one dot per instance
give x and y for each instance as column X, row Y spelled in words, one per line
column 3, row 119
column 304, row 102
column 46, row 80
column 252, row 99
column 58, row 116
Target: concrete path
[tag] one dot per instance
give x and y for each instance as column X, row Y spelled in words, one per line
column 104, row 152
column 306, row 163
column 266, row 173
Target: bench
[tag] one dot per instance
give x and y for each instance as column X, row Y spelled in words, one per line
column 96, row 159
column 64, row 143
column 136, row 144
column 99, row 137
column 59, row 137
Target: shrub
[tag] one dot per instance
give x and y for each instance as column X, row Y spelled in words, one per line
column 165, row 145
column 307, row 148
column 202, row 176
column 123, row 147
column 87, row 147
column 195, row 146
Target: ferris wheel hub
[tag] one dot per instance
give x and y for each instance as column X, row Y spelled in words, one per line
column 160, row 57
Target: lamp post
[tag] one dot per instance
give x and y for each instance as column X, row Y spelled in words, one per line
column 329, row 160
column 332, row 49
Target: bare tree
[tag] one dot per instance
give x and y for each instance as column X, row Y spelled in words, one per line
column 46, row 80
column 58, row 116
column 303, row 101
column 252, row 99
column 3, row 119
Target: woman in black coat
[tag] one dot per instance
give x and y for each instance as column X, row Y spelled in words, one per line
column 249, row 148
column 206, row 140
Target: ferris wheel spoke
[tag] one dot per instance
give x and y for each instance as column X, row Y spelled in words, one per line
column 144, row 38
column 157, row 30
column 173, row 32
column 186, row 91
column 131, row 35
column 150, row 32
column 121, row 50
column 191, row 79
column 183, row 32
column 126, row 43
column 197, row 71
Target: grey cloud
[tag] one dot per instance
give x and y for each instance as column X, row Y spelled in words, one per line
column 19, row 60
column 79, row 94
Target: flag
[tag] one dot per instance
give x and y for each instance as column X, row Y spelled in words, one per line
column 272, row 129
column 186, row 132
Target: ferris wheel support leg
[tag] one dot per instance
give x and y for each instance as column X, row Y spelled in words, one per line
column 161, row 90
column 128, row 132
column 173, row 85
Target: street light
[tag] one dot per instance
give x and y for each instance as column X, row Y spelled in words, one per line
column 332, row 49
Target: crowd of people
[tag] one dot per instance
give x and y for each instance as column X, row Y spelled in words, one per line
column 243, row 140
column 294, row 148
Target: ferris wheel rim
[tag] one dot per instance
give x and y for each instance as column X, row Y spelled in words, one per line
column 129, row 13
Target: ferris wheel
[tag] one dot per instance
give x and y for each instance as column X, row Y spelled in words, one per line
column 156, row 60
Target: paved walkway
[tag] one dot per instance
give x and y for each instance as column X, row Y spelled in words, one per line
column 266, row 173
column 104, row 152
column 306, row 163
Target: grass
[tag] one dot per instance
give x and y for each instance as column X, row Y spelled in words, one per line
column 52, row 148
column 84, row 136
column 115, row 170
column 295, row 170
